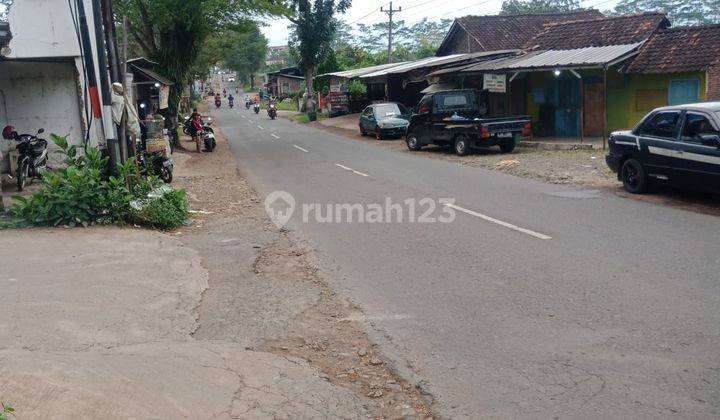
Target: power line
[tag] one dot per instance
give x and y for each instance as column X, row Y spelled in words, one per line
column 464, row 8
column 363, row 17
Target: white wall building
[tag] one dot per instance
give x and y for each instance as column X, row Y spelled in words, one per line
column 42, row 79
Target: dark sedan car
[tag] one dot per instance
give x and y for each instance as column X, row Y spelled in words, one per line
column 384, row 120
column 679, row 145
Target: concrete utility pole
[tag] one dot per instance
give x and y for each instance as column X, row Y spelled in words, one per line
column 390, row 13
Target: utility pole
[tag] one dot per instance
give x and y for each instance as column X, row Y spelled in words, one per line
column 87, row 52
column 116, row 74
column 390, row 13
column 104, row 76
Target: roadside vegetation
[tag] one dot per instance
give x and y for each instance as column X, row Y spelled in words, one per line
column 86, row 193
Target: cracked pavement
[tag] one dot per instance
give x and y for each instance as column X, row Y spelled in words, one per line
column 97, row 323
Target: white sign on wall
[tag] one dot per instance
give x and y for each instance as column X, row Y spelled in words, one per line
column 494, row 83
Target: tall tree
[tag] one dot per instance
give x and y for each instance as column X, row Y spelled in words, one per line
column 427, row 35
column 243, row 48
column 313, row 30
column 680, row 12
column 171, row 32
column 517, row 7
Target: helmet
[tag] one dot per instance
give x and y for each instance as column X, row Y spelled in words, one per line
column 9, row 132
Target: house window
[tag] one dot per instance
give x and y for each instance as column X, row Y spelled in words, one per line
column 285, row 88
column 683, row 91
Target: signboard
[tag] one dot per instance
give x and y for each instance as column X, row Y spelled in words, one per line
column 494, row 83
column 339, row 99
column 339, row 88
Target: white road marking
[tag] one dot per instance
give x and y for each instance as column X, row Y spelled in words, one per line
column 350, row 170
column 275, row 135
column 260, row 127
column 499, row 222
column 300, row 148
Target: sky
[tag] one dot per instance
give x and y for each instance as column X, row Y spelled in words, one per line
column 368, row 12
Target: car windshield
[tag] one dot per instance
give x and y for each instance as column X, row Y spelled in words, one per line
column 390, row 110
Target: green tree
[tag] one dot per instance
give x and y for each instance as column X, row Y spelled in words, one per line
column 427, row 35
column 375, row 37
column 172, row 32
column 243, row 49
column 517, row 7
column 313, row 31
column 689, row 12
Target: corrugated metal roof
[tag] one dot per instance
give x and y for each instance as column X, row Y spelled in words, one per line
column 349, row 74
column 412, row 65
column 152, row 75
column 581, row 57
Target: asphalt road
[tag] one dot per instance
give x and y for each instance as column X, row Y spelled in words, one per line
column 537, row 301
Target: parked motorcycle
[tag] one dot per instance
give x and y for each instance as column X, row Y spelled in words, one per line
column 162, row 166
column 231, row 103
column 272, row 111
column 33, row 155
column 256, row 108
column 208, row 136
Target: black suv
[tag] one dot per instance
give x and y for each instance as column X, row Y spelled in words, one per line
column 458, row 118
column 679, row 145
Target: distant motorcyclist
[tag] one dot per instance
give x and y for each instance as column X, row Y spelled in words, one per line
column 218, row 101
column 224, row 93
column 231, row 100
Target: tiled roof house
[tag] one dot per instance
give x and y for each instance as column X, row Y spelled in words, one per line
column 600, row 32
column 472, row 34
column 682, row 50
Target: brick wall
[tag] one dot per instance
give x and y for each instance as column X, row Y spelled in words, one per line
column 713, row 83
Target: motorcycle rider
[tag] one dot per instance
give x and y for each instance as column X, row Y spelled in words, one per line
column 218, row 101
column 231, row 100
column 224, row 93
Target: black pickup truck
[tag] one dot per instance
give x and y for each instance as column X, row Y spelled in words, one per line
column 456, row 118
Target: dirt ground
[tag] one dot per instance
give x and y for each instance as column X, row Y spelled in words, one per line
column 266, row 294
column 584, row 168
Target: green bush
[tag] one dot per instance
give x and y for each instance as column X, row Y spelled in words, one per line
column 167, row 211
column 84, row 193
column 357, row 89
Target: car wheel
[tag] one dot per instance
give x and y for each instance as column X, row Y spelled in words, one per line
column 362, row 131
column 462, row 146
column 633, row 177
column 378, row 134
column 412, row 142
column 507, row 146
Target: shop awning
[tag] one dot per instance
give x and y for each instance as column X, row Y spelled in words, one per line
column 151, row 76
column 590, row 57
column 349, row 74
column 414, row 65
